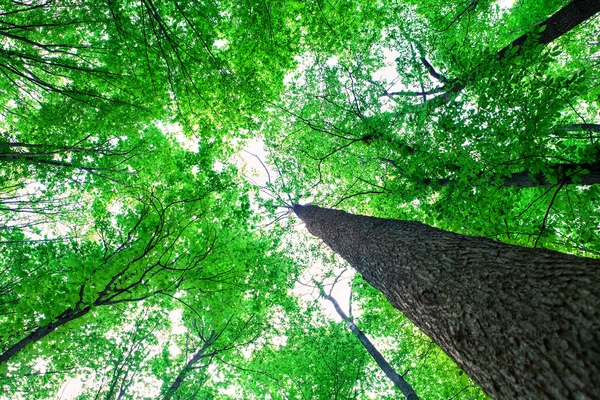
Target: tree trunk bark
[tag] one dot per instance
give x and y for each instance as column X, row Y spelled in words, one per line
column 200, row 354
column 558, row 24
column 554, row 27
column 387, row 369
column 567, row 174
column 564, row 173
column 523, row 323
column 43, row 331
column 580, row 127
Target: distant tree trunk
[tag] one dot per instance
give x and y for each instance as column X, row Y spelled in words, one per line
column 567, row 174
column 523, row 323
column 551, row 29
column 43, row 331
column 388, row 370
column 200, row 354
column 579, row 127
column 558, row 24
column 563, row 173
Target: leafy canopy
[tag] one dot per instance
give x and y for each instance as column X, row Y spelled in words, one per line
column 134, row 254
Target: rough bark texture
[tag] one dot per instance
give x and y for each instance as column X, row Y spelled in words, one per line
column 523, row 323
column 387, row 369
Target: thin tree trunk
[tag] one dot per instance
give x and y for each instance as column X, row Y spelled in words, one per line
column 558, row 24
column 104, row 298
column 523, row 323
column 561, row 172
column 387, row 369
column 567, row 174
column 580, row 127
column 200, row 354
column 525, row 179
column 43, row 331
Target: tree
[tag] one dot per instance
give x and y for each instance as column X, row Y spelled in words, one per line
column 314, row 358
column 521, row 322
column 121, row 164
column 565, row 19
column 132, row 265
column 397, row 380
column 117, row 332
column 85, row 95
column 218, row 348
column 505, row 151
column 429, row 370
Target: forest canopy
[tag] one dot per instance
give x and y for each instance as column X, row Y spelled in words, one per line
column 149, row 153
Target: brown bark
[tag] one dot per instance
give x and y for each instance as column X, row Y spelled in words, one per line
column 43, row 331
column 387, row 369
column 200, row 354
column 567, row 174
column 523, row 323
column 554, row 27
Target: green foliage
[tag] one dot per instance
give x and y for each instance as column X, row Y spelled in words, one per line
column 447, row 158
column 314, row 362
column 128, row 231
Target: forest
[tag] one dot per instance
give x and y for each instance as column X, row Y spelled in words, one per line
column 159, row 159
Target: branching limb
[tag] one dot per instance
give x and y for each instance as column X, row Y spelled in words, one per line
column 432, row 71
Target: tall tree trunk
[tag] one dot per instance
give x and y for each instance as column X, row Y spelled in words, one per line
column 387, row 369
column 200, row 354
column 551, row 29
column 567, row 174
column 43, row 331
column 523, row 323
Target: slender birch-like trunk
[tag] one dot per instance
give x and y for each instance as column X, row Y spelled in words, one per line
column 397, row 379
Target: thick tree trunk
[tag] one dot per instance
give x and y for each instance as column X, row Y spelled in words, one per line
column 523, row 323
column 387, row 369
